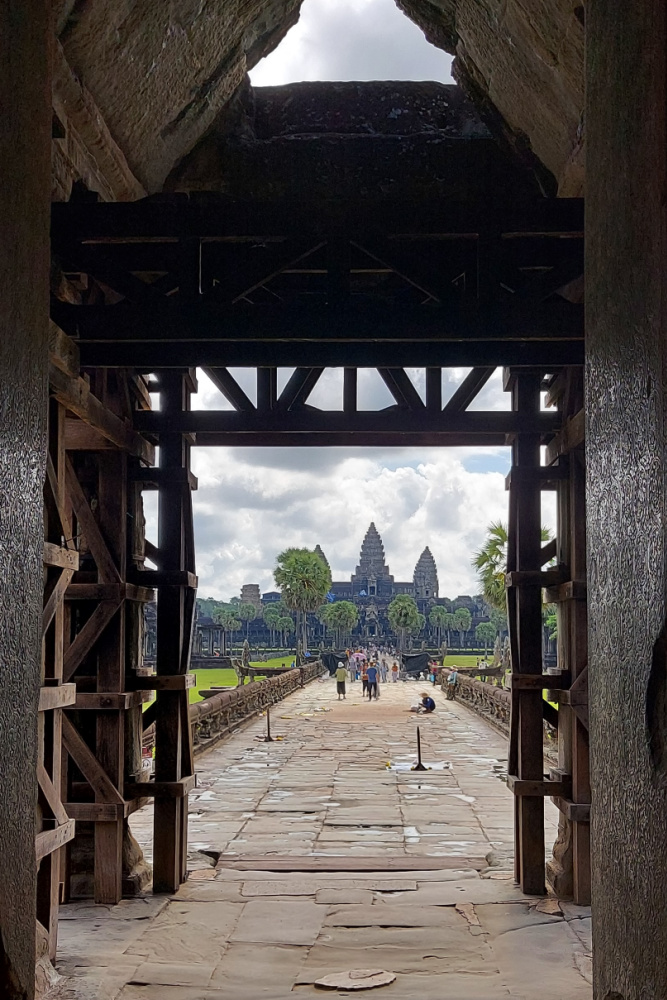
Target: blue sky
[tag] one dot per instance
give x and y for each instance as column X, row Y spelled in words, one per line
column 252, row 503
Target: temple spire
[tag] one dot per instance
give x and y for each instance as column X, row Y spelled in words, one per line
column 425, row 577
column 371, row 565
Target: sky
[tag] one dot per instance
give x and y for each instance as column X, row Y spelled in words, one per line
column 252, row 503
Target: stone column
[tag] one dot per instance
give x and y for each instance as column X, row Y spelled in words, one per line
column 24, row 268
column 626, row 307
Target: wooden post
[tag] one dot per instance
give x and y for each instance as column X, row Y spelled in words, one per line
column 570, row 871
column 525, row 624
column 175, row 610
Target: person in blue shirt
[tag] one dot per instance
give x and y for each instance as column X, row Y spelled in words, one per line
column 427, row 704
column 372, row 673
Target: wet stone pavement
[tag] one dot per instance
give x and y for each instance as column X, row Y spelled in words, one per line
column 351, row 860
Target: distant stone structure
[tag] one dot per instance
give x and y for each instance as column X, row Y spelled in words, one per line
column 425, row 577
column 251, row 594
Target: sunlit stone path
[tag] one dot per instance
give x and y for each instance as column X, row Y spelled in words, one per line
column 323, row 852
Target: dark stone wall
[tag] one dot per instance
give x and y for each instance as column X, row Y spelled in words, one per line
column 626, row 282
column 24, row 211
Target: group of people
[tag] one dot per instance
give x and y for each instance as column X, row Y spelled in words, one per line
column 368, row 666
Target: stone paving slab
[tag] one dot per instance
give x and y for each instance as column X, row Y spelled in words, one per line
column 324, row 800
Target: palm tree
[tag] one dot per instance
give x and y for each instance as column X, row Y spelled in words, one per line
column 404, row 616
column 304, row 580
column 228, row 622
column 462, row 621
column 491, row 563
column 247, row 613
column 438, row 620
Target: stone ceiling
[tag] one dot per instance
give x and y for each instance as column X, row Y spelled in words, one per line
column 147, row 81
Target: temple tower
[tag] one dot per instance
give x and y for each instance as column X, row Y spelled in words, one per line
column 372, row 574
column 426, row 576
column 250, row 594
column 322, row 556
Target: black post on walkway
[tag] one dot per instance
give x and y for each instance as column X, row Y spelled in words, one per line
column 419, row 766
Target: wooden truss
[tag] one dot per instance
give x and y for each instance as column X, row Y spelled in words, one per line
column 148, row 290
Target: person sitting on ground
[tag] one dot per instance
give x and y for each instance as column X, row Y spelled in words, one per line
column 426, row 705
column 341, row 674
column 372, row 675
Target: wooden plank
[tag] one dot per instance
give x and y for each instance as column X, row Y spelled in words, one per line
column 110, row 592
column 88, row 636
column 300, row 385
column 109, row 700
column 160, row 477
column 175, row 682
column 540, row 788
column 49, row 841
column 63, row 351
column 539, row 682
column 547, row 476
column 571, row 436
column 165, row 578
column 88, row 764
column 51, row 795
column 97, row 812
column 163, row 789
column 536, row 578
column 572, row 590
column 56, row 696
column 74, row 394
column 348, row 863
column 576, row 812
column 548, row 552
column 55, row 555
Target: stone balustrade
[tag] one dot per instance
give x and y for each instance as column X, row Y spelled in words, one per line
column 490, row 701
column 220, row 714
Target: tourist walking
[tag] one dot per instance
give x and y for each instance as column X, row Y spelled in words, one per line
column 383, row 671
column 341, row 674
column 364, row 679
column 394, row 671
column 372, row 683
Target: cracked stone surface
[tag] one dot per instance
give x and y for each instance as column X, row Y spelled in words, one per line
column 323, row 795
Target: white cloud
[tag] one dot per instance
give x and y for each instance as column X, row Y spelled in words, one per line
column 352, row 40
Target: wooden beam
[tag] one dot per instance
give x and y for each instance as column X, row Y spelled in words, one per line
column 88, row 764
column 74, row 394
column 106, row 567
column 469, row 388
column 57, row 696
column 347, row 322
column 537, row 682
column 49, row 841
column 55, row 555
column 164, row 789
column 51, row 795
column 173, row 682
column 88, row 636
column 539, row 788
column 54, row 596
column 288, row 353
column 230, row 389
column 109, row 700
column 228, row 217
column 571, row 436
column 314, row 421
column 296, row 392
column 401, row 388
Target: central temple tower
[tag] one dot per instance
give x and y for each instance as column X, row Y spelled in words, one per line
column 372, row 575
